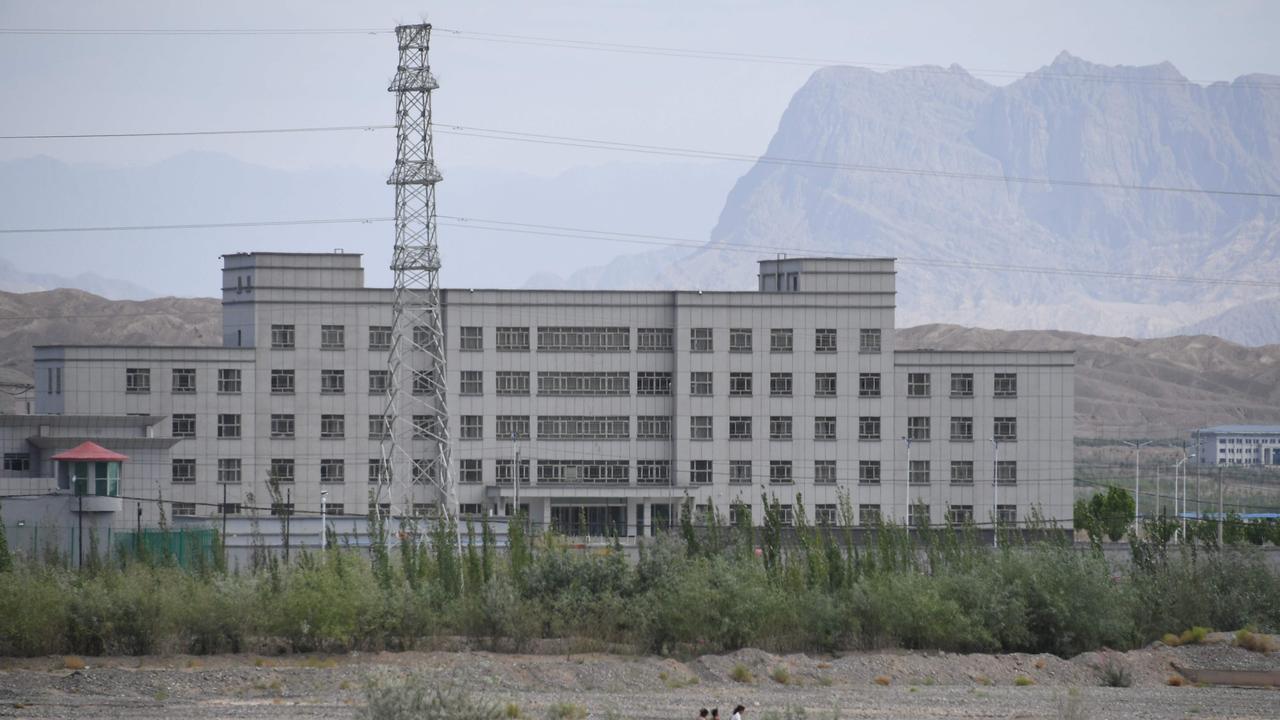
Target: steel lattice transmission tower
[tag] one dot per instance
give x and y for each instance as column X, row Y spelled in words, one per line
column 416, row 406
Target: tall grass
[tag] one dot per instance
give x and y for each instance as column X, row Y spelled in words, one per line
column 940, row 589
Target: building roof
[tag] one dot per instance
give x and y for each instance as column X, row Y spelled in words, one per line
column 89, row 451
column 1241, row 430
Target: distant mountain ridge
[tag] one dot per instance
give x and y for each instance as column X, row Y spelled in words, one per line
column 1073, row 121
column 1124, row 388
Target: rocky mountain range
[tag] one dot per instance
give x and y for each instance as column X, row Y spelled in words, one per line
column 1124, row 388
column 942, row 170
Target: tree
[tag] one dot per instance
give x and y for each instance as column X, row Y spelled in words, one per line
column 6, row 560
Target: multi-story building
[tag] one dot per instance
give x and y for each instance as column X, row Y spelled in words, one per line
column 1237, row 445
column 619, row 404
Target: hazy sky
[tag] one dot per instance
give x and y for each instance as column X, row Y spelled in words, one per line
column 129, row 83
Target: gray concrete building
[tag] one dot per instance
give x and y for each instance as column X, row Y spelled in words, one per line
column 620, row 404
column 1237, row 445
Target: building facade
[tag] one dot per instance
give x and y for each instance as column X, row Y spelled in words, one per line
column 1237, row 445
column 612, row 407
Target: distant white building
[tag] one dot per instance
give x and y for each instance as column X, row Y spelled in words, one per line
column 620, row 404
column 1238, row 444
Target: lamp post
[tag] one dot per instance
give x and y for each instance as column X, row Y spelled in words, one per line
column 1137, row 454
column 995, row 497
column 324, row 531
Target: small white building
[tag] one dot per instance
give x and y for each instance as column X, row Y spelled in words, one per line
column 1238, row 444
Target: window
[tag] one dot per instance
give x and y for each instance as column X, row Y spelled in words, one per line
column 184, row 425
column 961, row 385
column 137, row 380
column 868, row 384
column 699, row 472
column 1007, row 515
column 918, row 384
column 282, row 470
column 918, row 473
column 700, row 340
column 740, row 427
column 511, row 339
column 470, row 471
column 426, row 427
column 425, row 510
column 228, row 426
column 282, row 337
column 961, row 428
column 700, row 427
column 786, row 515
column 183, row 509
column 739, row 340
column 282, row 382
column 1006, row 385
column 379, row 427
column 424, row 382
column 332, row 508
column 379, row 381
column 653, row 427
column 700, row 383
column 333, row 382
column 584, row 339
column 184, row 380
column 653, row 383
column 377, row 468
column 184, row 470
column 739, row 472
column 333, row 337
column 510, row 427
column 869, row 340
column 869, row 472
column 512, row 382
column 502, row 472
column 780, row 384
column 584, row 383
column 960, row 514
column 780, row 472
column 919, row 515
column 824, row 340
column 824, row 427
column 596, row 472
column 740, row 384
column 332, row 470
column 333, row 427
column 869, row 427
column 423, row 338
column 824, row 472
column 1005, row 428
column 17, row 462
column 582, row 427
column 1007, row 472
column 379, row 337
column 654, row 339
column 280, row 509
column 825, row 514
column 868, row 514
column 961, row 472
column 780, row 427
column 471, row 338
column 472, row 382
column 781, row 340
column 228, row 470
column 653, row 472
column 824, row 384
column 229, row 508
column 918, row 428
column 471, row 427
column 282, row 426
column 228, row 380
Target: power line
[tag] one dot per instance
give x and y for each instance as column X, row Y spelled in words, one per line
column 671, row 151
column 235, row 32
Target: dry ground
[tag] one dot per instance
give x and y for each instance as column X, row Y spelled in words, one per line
column 858, row 685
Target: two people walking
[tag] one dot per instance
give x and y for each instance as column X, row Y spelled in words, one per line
column 715, row 713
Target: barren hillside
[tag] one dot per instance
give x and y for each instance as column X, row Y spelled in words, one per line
column 1124, row 387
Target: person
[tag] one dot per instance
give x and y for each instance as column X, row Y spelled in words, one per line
column 702, row 713
column 737, row 713
column 715, row 713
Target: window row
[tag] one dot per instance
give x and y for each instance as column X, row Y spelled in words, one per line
column 1004, row 385
column 618, row 339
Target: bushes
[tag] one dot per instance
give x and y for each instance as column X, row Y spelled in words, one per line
column 414, row 699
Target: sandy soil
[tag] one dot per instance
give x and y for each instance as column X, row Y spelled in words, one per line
column 858, row 685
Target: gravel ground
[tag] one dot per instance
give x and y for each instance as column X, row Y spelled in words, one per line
column 856, row 685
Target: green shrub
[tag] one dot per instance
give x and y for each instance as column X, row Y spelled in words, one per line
column 566, row 711
column 417, row 699
column 1194, row 636
column 780, row 675
column 1114, row 673
column 1255, row 642
column 1023, row 681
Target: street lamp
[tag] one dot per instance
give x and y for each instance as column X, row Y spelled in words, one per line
column 324, row 531
column 1137, row 453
